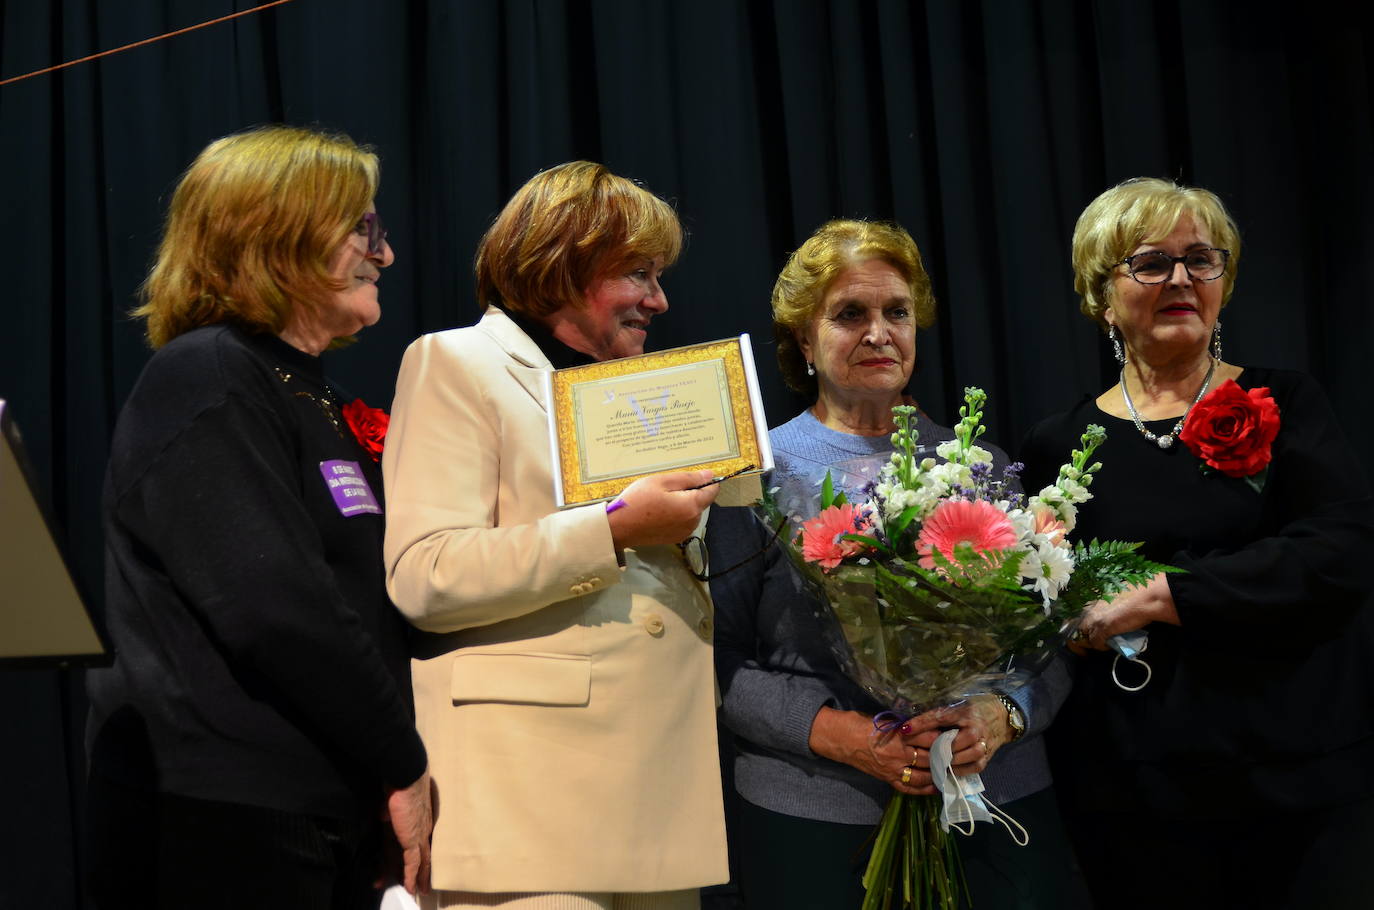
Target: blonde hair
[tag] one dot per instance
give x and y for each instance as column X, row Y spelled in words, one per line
column 566, row 227
column 1136, row 211
column 251, row 229
column 809, row 272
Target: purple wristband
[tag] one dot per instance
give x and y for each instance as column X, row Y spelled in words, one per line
column 614, row 504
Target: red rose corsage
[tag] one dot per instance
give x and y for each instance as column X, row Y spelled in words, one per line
column 369, row 426
column 1233, row 431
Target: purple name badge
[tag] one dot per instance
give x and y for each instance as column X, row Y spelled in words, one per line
column 351, row 493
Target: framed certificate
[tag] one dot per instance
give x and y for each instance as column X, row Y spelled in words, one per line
column 684, row 409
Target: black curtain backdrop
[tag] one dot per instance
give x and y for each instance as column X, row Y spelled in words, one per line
column 983, row 127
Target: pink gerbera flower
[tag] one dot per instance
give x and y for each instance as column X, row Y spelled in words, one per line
column 821, row 535
column 979, row 524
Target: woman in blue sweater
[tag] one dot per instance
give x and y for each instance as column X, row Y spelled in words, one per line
column 812, row 775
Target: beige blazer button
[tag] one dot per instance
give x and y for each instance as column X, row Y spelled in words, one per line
column 704, row 626
column 653, row 624
column 594, row 580
column 579, row 589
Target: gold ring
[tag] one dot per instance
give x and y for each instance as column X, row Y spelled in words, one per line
column 915, row 754
column 906, row 775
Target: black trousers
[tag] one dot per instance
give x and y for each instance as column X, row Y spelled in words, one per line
column 789, row 863
column 159, row 850
column 1317, row 860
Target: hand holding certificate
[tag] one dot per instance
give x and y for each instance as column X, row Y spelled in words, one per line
column 694, row 407
column 660, row 509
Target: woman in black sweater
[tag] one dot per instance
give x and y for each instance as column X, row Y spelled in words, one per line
column 1238, row 769
column 257, row 720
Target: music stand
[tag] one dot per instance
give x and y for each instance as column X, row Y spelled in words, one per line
column 44, row 622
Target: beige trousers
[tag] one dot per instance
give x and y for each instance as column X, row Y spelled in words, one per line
column 650, row 900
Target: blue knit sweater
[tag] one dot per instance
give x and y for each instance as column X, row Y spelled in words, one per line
column 776, row 669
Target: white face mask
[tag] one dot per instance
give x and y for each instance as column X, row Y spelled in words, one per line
column 962, row 799
column 1130, row 646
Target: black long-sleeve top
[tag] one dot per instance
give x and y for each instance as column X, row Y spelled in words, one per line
column 258, row 659
column 1261, row 699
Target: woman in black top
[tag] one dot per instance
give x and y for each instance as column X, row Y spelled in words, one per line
column 1242, row 773
column 257, row 720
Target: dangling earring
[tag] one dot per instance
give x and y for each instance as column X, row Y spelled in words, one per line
column 1216, row 340
column 1117, row 352
column 810, row 370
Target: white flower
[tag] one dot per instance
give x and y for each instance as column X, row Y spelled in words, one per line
column 896, row 501
column 949, row 449
column 1074, row 491
column 977, row 455
column 928, row 497
column 951, row 473
column 1068, row 513
column 1048, row 567
column 1022, row 520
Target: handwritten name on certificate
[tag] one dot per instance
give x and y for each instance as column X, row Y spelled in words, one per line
column 691, row 407
column 654, row 422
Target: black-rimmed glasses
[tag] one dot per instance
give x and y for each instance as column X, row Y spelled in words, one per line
column 370, row 226
column 699, row 563
column 1156, row 266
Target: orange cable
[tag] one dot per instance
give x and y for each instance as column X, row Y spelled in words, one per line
column 180, row 31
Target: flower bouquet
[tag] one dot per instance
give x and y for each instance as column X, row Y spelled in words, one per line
column 947, row 582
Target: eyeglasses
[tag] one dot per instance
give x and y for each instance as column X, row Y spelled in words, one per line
column 699, row 564
column 370, row 226
column 1156, row 266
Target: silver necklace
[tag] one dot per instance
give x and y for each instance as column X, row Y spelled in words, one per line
column 1167, row 439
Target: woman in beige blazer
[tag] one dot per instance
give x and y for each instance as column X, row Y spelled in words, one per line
column 566, row 696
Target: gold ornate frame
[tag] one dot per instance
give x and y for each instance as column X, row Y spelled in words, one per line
column 740, row 386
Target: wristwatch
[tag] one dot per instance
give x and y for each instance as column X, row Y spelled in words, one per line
column 1016, row 718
